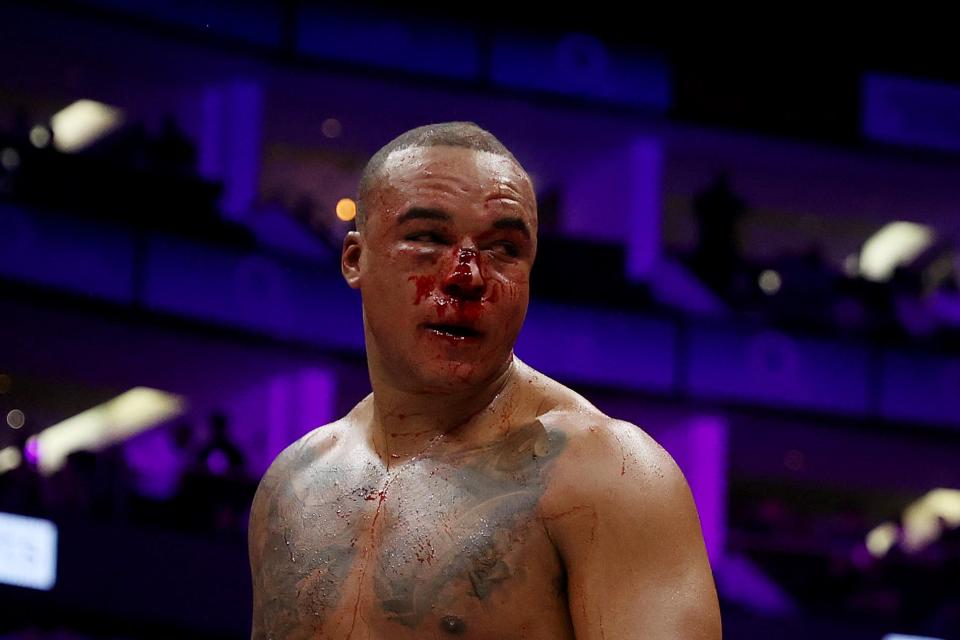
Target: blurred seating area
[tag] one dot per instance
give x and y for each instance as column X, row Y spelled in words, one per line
column 769, row 283
column 155, row 175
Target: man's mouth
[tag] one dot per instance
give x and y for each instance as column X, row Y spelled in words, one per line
column 454, row 330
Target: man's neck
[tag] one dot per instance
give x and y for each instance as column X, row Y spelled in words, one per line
column 405, row 424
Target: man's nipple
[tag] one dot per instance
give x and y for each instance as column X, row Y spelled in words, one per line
column 453, row 625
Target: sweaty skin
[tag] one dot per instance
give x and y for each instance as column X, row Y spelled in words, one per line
column 469, row 495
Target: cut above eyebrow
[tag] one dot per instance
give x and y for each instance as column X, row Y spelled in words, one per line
column 423, row 213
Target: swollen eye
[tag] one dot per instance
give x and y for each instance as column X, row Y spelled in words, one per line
column 507, row 248
column 426, row 237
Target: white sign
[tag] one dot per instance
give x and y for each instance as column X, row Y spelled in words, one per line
column 28, row 552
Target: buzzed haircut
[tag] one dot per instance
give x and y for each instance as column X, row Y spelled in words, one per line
column 467, row 135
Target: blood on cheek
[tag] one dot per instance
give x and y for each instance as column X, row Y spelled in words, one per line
column 424, row 286
column 465, row 310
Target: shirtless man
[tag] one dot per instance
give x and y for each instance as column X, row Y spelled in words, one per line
column 469, row 495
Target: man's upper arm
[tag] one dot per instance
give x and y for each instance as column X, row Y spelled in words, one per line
column 257, row 534
column 623, row 519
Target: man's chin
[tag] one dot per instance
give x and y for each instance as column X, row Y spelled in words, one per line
column 454, row 376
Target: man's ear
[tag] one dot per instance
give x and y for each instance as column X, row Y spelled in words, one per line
column 350, row 258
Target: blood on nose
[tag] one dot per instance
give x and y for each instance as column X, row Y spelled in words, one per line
column 464, row 281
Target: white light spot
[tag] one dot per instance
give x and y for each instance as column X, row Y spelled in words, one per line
column 925, row 519
column 769, row 282
column 39, row 136
column 82, row 123
column 897, row 243
column 113, row 421
column 9, row 158
column 10, row 459
column 16, row 419
column 881, row 539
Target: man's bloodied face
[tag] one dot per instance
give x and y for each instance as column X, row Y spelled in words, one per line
column 444, row 266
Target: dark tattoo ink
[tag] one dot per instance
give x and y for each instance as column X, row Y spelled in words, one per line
column 480, row 505
column 298, row 581
column 445, row 534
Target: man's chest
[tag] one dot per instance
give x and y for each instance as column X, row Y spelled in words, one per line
column 441, row 548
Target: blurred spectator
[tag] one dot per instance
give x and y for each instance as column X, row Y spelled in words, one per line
column 717, row 257
column 172, row 150
column 220, row 456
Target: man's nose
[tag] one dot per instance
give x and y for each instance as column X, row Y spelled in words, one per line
column 465, row 280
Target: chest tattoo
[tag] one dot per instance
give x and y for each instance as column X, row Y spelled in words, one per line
column 443, row 530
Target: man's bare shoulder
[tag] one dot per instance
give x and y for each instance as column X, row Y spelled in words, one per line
column 621, row 516
column 607, row 448
column 595, row 443
column 305, row 459
column 604, row 459
column 316, row 446
column 305, row 451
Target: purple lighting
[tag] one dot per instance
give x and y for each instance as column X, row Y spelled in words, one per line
column 32, row 451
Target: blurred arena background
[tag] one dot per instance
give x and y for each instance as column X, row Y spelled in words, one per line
column 748, row 247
